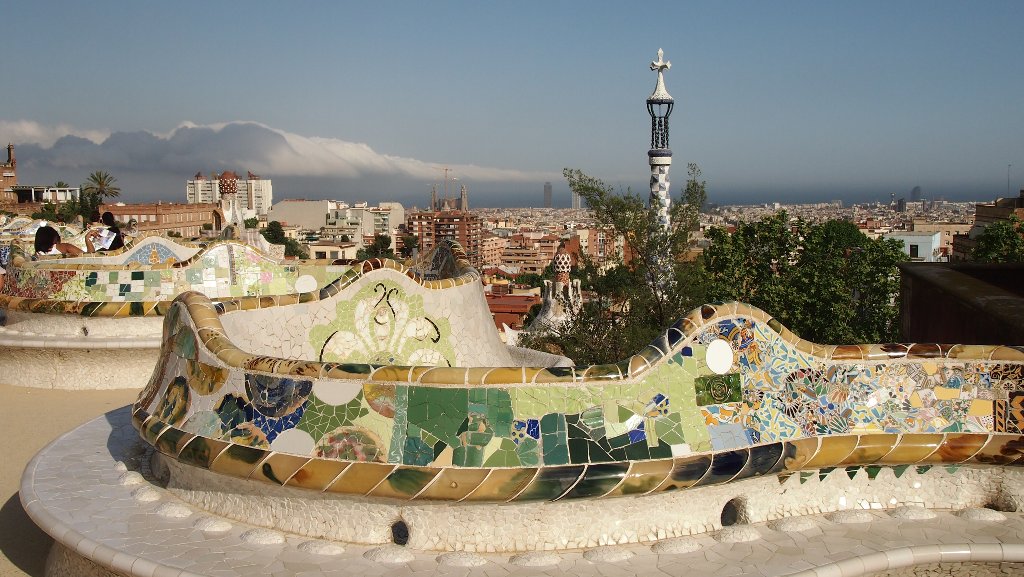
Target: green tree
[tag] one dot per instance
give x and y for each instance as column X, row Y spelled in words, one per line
column 379, row 248
column 274, row 233
column 252, row 222
column 642, row 295
column 65, row 212
column 293, row 248
column 827, row 282
column 1001, row 241
column 410, row 242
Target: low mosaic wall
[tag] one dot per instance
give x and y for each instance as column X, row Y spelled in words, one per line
column 150, row 273
column 20, row 232
column 726, row 394
column 138, row 252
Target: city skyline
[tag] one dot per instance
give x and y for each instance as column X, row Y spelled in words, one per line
column 776, row 103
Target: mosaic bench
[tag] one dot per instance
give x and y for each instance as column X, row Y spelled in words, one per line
column 728, row 409
column 114, row 302
column 20, row 232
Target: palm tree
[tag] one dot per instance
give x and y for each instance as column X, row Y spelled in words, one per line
column 96, row 188
column 101, row 184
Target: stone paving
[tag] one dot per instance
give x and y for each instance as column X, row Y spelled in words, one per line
column 91, row 490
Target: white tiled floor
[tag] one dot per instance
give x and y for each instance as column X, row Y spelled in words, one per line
column 72, row 489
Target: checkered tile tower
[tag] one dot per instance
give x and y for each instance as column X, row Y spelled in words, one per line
column 659, row 105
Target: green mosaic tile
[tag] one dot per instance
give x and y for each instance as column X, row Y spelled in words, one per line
column 898, row 470
column 319, row 418
column 554, row 439
column 409, row 481
column 551, row 483
column 468, row 456
column 717, row 389
column 824, row 471
column 506, row 456
column 439, row 411
column 529, row 452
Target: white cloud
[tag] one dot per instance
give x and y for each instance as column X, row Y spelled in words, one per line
column 238, row 146
column 31, row 132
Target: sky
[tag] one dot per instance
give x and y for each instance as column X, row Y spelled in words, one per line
column 786, row 101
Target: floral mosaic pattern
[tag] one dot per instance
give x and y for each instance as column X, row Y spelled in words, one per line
column 666, row 419
column 382, row 325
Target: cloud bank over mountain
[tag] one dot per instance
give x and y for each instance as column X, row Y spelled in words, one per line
column 152, row 166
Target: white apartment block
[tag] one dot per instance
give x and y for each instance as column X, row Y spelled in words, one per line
column 255, row 195
column 336, row 218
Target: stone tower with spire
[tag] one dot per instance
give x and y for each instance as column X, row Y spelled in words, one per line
column 8, row 177
column 659, row 106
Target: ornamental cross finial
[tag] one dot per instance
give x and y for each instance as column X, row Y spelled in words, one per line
column 661, row 65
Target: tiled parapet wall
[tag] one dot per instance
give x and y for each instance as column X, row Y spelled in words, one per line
column 143, row 251
column 222, row 270
column 21, row 231
column 726, row 394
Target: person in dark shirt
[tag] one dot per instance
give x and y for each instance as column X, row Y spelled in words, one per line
column 118, row 241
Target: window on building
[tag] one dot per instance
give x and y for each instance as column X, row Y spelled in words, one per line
column 914, row 251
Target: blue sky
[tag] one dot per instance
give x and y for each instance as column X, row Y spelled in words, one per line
column 776, row 101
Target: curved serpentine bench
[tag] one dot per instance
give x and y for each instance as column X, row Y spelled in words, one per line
column 725, row 397
column 70, row 307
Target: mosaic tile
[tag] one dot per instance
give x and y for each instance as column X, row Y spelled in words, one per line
column 506, row 433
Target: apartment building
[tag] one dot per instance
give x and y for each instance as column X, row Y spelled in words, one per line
column 531, row 252
column 334, row 219
column 254, row 195
column 491, row 247
column 431, row 227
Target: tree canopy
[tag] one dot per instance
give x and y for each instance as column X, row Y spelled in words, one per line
column 274, row 233
column 827, row 282
column 1001, row 241
column 410, row 242
column 637, row 296
column 379, row 248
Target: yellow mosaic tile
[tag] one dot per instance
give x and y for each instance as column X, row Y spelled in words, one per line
column 870, row 448
column 360, row 478
column 912, row 448
column 405, row 482
column 317, row 474
column 833, row 450
column 957, row 447
column 502, row 484
column 454, row 484
column 278, row 468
